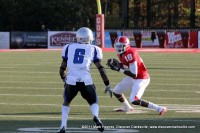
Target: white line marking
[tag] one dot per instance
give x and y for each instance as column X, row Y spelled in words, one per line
column 96, row 82
column 60, row 88
column 77, row 130
column 179, row 108
column 83, row 118
column 27, row 95
column 169, row 106
column 31, row 88
column 189, row 111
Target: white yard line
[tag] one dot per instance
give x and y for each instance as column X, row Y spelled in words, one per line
column 42, row 88
column 170, row 106
column 178, row 108
column 31, row 88
column 88, row 118
column 168, row 70
column 164, row 84
column 27, row 95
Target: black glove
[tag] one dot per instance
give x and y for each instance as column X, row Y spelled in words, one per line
column 113, row 64
column 64, row 80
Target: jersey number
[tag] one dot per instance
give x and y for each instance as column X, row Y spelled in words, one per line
column 129, row 57
column 79, row 56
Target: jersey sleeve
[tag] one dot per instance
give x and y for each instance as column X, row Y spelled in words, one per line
column 98, row 56
column 65, row 52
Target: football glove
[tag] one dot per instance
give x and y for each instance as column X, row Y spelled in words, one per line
column 64, row 80
column 108, row 89
column 113, row 64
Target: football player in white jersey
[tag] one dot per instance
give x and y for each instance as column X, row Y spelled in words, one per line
column 78, row 58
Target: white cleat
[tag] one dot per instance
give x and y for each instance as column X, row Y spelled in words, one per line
column 162, row 111
column 124, row 109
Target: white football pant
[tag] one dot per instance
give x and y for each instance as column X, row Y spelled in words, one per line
column 137, row 87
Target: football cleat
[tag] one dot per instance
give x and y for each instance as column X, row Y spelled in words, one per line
column 61, row 130
column 124, row 109
column 98, row 124
column 162, row 111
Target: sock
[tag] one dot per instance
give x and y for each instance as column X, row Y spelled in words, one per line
column 65, row 112
column 95, row 109
column 126, row 104
column 154, row 106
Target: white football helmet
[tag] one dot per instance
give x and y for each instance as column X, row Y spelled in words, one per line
column 121, row 44
column 84, row 35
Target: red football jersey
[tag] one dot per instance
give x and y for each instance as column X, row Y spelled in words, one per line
column 130, row 56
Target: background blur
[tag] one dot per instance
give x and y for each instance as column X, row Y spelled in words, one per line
column 42, row 15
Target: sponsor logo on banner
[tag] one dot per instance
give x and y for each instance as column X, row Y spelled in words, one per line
column 174, row 40
column 59, row 39
column 25, row 40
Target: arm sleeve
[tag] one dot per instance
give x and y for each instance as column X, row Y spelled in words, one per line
column 98, row 56
column 133, row 68
column 65, row 52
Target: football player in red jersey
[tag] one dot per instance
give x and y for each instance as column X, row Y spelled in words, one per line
column 137, row 77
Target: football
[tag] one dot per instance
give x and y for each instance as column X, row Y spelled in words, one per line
column 114, row 62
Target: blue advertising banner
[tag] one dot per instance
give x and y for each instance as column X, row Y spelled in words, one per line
column 25, row 40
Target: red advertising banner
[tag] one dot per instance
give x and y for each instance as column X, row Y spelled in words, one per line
column 138, row 38
column 182, row 39
column 193, row 40
column 162, row 38
column 100, row 30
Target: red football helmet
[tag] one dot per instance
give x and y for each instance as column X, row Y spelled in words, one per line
column 121, row 44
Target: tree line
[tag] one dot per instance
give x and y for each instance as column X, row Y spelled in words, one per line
column 37, row 15
column 43, row 15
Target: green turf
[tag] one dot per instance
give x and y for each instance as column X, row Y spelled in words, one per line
column 31, row 94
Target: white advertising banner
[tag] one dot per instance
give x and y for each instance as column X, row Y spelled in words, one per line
column 130, row 35
column 4, row 40
column 57, row 39
column 148, row 41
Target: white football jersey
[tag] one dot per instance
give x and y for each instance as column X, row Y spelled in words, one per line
column 79, row 60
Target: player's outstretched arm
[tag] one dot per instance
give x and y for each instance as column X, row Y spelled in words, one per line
column 62, row 69
column 104, row 77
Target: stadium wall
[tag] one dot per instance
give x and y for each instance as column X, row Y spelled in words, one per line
column 139, row 39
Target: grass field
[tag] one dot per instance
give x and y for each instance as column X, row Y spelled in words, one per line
column 31, row 95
